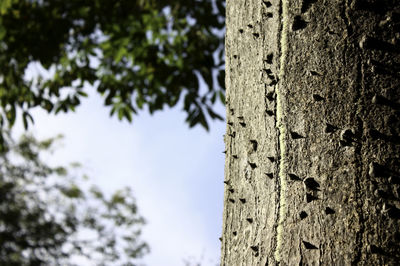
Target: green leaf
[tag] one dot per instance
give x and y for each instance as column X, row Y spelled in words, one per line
column 3, row 31
column 96, row 192
column 121, row 113
column 118, row 198
column 214, row 115
column 113, row 109
column 11, row 115
column 222, row 97
column 61, row 171
column 139, row 101
column 121, row 53
column 25, row 117
column 47, row 105
column 128, row 114
column 221, row 79
column 72, row 192
column 82, row 93
column 213, row 97
column 203, row 121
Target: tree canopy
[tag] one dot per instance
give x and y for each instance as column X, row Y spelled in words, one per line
column 48, row 216
column 137, row 54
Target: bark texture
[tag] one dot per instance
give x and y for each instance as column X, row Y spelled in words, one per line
column 313, row 150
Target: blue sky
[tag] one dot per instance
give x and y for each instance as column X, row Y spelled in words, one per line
column 176, row 173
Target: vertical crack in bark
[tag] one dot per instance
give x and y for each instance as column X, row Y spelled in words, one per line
column 360, row 88
column 346, row 17
column 360, row 172
column 281, row 127
column 301, row 254
column 344, row 14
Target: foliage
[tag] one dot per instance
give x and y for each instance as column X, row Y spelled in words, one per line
column 47, row 219
column 136, row 53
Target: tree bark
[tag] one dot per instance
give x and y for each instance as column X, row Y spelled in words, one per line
column 312, row 168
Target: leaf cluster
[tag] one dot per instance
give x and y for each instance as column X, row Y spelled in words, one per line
column 137, row 54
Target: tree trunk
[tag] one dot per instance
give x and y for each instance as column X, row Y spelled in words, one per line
column 313, row 150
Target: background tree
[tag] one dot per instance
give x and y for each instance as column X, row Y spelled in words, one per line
column 135, row 53
column 312, row 165
column 49, row 216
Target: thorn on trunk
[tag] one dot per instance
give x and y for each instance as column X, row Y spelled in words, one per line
column 308, row 245
column 253, row 165
column 311, row 183
column 317, row 98
column 294, row 177
column 329, row 210
column 303, row 215
column 295, row 135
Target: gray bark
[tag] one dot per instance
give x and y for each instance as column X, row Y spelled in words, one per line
column 313, row 150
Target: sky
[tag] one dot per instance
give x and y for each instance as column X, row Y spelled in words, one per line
column 176, row 173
